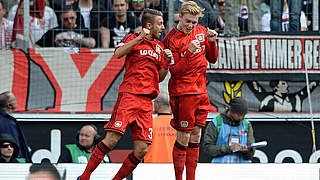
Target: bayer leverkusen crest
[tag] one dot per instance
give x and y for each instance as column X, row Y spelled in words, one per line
column 158, row 49
column 200, row 37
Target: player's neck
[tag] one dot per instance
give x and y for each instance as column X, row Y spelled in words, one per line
column 181, row 29
column 150, row 37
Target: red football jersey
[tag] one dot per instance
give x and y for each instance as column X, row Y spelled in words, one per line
column 142, row 67
column 188, row 72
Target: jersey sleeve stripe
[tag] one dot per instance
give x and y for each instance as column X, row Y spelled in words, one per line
column 168, row 37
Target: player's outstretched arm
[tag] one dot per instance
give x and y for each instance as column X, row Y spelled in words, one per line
column 124, row 49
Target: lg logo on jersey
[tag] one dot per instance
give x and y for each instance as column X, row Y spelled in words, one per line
column 150, row 53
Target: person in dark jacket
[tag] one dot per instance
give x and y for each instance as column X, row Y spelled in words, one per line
column 9, row 124
column 68, row 33
column 9, row 149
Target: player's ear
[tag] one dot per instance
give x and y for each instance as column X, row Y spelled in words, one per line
column 148, row 26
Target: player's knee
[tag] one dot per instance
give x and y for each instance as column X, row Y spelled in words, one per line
column 112, row 139
column 195, row 136
column 183, row 137
column 141, row 152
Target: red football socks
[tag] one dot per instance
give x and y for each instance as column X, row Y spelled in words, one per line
column 179, row 159
column 95, row 159
column 129, row 164
column 192, row 160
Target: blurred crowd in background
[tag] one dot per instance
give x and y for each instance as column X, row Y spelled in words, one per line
column 103, row 23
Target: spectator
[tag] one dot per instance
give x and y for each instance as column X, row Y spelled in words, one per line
column 9, row 149
column 163, row 135
column 44, row 170
column 87, row 139
column 227, row 136
column 5, row 28
column 38, row 26
column 307, row 8
column 91, row 13
column 231, row 11
column 36, row 10
column 266, row 20
column 295, row 8
column 210, row 15
column 119, row 25
column 243, row 16
column 220, row 23
column 9, row 124
column 265, row 7
column 8, row 4
column 160, row 5
column 137, row 7
column 68, row 34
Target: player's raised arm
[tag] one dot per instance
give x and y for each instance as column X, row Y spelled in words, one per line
column 211, row 46
column 123, row 49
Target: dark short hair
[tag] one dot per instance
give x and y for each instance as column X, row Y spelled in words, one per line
column 67, row 8
column 149, row 15
column 45, row 165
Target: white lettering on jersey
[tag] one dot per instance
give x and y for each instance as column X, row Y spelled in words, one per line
column 150, row 53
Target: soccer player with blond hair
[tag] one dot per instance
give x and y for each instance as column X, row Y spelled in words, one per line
column 191, row 45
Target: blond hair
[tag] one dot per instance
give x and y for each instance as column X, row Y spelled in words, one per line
column 191, row 7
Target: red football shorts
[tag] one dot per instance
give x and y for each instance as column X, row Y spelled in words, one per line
column 189, row 111
column 134, row 111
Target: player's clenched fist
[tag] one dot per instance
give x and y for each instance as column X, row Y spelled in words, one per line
column 167, row 54
column 144, row 33
column 212, row 35
column 168, row 58
column 194, row 46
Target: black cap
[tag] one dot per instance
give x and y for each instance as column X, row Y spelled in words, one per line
column 238, row 105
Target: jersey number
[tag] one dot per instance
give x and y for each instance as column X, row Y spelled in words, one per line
column 150, row 133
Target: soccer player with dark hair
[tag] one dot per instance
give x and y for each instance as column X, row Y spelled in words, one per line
column 191, row 45
column 146, row 65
